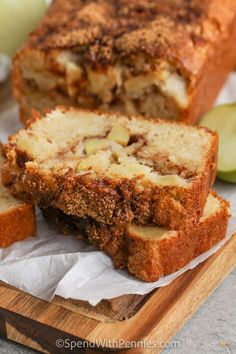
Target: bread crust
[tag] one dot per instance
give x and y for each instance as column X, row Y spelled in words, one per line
column 196, row 37
column 149, row 259
column 16, row 224
column 108, row 200
column 149, row 262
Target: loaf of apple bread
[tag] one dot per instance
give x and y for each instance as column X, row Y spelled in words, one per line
column 113, row 168
column 17, row 219
column 165, row 58
column 150, row 251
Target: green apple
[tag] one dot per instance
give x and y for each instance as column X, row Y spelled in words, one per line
column 17, row 19
column 228, row 176
column 223, row 120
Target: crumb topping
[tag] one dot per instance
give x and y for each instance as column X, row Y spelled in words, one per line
column 102, row 30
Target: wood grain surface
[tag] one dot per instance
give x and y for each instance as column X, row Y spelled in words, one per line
column 39, row 324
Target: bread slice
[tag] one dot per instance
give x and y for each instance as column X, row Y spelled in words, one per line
column 113, row 168
column 150, row 251
column 163, row 59
column 17, row 219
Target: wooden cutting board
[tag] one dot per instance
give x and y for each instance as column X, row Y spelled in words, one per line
column 150, row 320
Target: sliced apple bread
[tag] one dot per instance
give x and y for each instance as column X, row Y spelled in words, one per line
column 17, row 219
column 113, row 168
column 150, row 251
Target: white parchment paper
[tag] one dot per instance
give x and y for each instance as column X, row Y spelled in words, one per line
column 53, row 264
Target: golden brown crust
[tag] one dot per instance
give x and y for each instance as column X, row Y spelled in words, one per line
column 149, row 260
column 111, row 201
column 16, row 224
column 212, row 76
column 196, row 37
column 146, row 258
column 17, row 221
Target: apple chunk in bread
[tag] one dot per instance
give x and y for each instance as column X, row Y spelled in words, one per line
column 119, row 134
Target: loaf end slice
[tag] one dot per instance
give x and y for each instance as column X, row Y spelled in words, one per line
column 17, row 219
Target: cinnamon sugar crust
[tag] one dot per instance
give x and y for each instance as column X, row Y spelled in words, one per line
column 180, row 30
